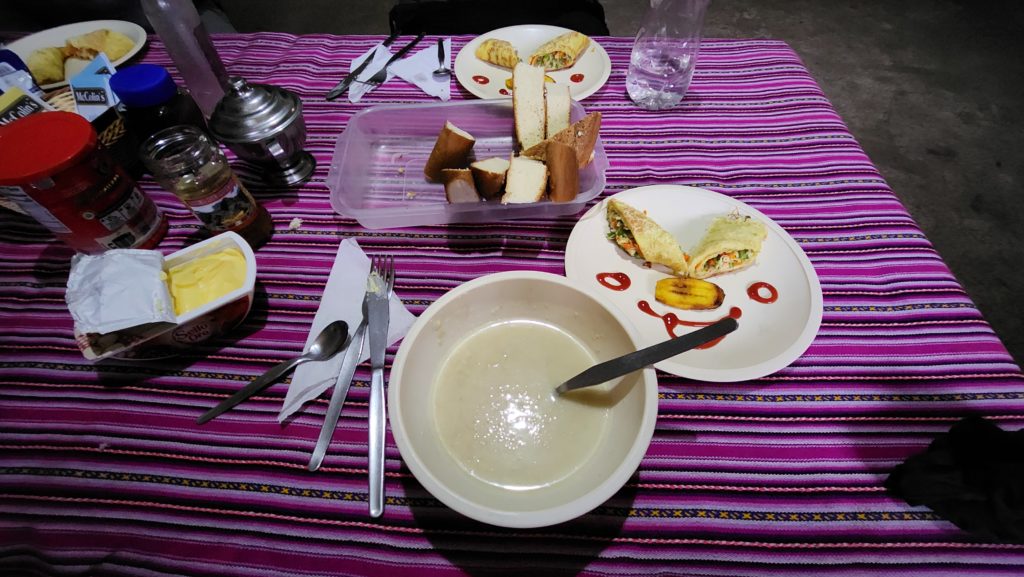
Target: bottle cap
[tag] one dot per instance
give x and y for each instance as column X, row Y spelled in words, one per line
column 43, row 144
column 143, row 85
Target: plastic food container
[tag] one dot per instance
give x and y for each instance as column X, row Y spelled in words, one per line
column 211, row 319
column 376, row 173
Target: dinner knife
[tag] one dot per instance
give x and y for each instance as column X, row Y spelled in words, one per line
column 348, row 80
column 628, row 363
column 340, row 392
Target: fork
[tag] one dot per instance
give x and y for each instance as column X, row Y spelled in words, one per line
column 380, row 285
column 382, row 74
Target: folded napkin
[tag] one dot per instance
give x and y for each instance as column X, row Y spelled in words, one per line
column 417, row 69
column 342, row 300
column 972, row 476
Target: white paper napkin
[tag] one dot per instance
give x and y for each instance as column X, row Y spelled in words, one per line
column 380, row 55
column 419, row 69
column 342, row 300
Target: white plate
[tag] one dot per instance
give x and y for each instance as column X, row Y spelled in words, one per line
column 594, row 66
column 769, row 337
column 56, row 37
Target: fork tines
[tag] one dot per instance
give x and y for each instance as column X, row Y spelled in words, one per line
column 384, row 267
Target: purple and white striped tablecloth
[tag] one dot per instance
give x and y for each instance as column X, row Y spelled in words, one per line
column 103, row 470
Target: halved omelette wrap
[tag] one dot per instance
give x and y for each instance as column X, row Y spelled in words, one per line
column 731, row 243
column 500, row 52
column 643, row 238
column 560, row 52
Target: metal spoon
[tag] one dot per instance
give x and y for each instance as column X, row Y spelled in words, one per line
column 442, row 68
column 326, row 345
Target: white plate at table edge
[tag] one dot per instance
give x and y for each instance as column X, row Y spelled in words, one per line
column 56, row 37
column 594, row 64
column 588, row 251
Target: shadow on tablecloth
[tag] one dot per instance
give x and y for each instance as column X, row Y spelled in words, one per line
column 482, row 550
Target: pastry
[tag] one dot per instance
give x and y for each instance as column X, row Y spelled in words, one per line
column 560, row 52
column 731, row 243
column 46, row 65
column 639, row 236
column 499, row 52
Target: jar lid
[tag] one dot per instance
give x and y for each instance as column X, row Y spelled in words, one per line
column 253, row 112
column 143, row 85
column 43, row 144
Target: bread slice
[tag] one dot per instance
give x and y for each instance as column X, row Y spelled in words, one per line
column 581, row 136
column 458, row 185
column 564, row 175
column 557, row 107
column 451, row 150
column 489, row 176
column 526, row 181
column 528, row 104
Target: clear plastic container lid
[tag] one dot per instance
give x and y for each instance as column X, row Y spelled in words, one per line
column 376, row 173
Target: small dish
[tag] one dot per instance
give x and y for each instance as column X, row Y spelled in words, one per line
column 56, row 37
column 486, row 80
column 770, row 335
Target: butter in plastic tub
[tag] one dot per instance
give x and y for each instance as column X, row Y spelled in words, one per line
column 207, row 289
column 376, row 173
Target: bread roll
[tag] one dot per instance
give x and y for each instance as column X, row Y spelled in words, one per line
column 563, row 174
column 528, row 104
column 581, row 136
column 458, row 185
column 451, row 150
column 526, row 181
column 489, row 176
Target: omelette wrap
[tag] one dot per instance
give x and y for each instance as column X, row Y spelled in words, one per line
column 500, row 52
column 731, row 243
column 643, row 238
column 561, row 51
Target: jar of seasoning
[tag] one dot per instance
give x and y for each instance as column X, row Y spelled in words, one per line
column 152, row 100
column 52, row 166
column 185, row 161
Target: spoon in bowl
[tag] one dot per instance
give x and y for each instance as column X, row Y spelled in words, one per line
column 442, row 65
column 326, row 345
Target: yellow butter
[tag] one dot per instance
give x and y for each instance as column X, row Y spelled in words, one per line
column 197, row 282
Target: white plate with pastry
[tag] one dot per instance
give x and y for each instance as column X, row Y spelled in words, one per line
column 575, row 60
column 55, row 55
column 773, row 292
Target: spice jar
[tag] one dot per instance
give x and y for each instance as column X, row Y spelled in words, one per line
column 152, row 101
column 52, row 166
column 186, row 162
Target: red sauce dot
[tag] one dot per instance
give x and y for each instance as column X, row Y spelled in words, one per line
column 481, row 79
column 503, row 92
column 757, row 291
column 616, row 281
column 576, row 77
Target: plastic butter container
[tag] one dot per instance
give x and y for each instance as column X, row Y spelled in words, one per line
column 376, row 173
column 164, row 337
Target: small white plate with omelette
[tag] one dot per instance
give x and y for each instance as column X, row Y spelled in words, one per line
column 58, row 37
column 485, row 80
column 771, row 334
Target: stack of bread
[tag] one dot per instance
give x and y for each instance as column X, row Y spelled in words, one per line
column 551, row 149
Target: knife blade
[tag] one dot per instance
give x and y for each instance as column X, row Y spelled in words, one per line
column 348, row 80
column 628, row 363
column 340, row 392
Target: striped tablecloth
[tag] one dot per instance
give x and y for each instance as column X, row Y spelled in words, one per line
column 103, row 470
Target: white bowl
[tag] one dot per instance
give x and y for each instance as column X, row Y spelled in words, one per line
column 632, row 401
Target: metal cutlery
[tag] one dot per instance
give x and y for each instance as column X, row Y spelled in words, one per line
column 628, row 363
column 351, row 77
column 326, row 345
column 379, row 286
column 340, row 392
column 442, row 65
column 382, row 74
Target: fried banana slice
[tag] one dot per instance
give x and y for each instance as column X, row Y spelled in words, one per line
column 689, row 293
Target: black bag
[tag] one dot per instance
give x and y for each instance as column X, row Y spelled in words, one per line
column 478, row 16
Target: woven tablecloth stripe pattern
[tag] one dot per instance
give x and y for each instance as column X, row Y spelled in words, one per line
column 103, row 470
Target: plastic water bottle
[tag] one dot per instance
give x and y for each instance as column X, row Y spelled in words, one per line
column 665, row 53
column 178, row 24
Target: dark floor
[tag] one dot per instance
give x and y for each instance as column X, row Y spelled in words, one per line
column 934, row 91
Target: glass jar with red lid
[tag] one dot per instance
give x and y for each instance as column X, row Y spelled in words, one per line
column 52, row 166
